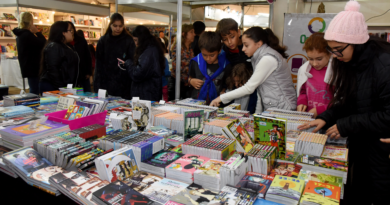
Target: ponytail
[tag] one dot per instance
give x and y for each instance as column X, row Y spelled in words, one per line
column 266, row 36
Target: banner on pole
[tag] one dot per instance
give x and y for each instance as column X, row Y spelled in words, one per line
column 297, row 28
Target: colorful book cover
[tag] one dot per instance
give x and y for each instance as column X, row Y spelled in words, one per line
column 142, row 180
column 242, row 136
column 164, row 190
column 173, row 203
column 292, row 156
column 286, row 169
column 256, row 182
column 324, row 162
column 321, row 193
column 193, row 123
column 188, row 163
column 232, row 196
column 287, row 187
column 121, row 166
column 271, row 131
column 142, row 113
column 320, row 177
column 177, row 149
column 211, row 168
column 80, row 112
column 265, row 202
column 194, row 194
column 69, row 112
column 118, row 193
column 163, row 158
column 160, row 130
column 44, row 174
column 335, row 153
column 27, row 160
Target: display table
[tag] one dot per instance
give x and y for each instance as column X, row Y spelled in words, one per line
column 10, row 73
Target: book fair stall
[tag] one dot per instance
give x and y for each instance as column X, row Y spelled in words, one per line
column 69, row 146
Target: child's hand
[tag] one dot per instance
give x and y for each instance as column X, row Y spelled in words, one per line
column 314, row 111
column 196, row 83
column 216, row 102
column 301, row 108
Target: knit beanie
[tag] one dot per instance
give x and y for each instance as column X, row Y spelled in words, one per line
column 348, row 26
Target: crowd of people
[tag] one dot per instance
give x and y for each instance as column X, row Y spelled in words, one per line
column 345, row 82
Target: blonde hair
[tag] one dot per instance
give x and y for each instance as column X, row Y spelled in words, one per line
column 26, row 19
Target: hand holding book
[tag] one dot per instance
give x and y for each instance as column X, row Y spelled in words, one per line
column 316, row 123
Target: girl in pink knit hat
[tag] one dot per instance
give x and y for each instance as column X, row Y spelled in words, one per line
column 360, row 109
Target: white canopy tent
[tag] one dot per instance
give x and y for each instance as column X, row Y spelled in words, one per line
column 179, row 15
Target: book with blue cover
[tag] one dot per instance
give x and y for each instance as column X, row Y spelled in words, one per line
column 15, row 111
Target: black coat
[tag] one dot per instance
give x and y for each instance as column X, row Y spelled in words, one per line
column 195, row 45
column 81, row 47
column 146, row 75
column 29, row 51
column 108, row 75
column 365, row 118
column 60, row 65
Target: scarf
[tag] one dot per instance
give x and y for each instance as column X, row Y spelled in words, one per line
column 208, row 87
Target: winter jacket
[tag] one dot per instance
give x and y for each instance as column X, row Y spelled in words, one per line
column 29, row 51
column 60, row 65
column 304, row 72
column 195, row 46
column 277, row 91
column 81, row 47
column 146, row 75
column 108, row 75
column 365, row 118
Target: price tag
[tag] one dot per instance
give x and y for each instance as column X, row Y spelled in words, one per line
column 102, row 93
column 70, row 86
column 136, row 115
column 162, row 102
column 135, row 99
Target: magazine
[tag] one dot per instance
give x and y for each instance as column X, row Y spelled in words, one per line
column 286, row 169
column 321, row 193
column 164, row 190
column 193, row 123
column 256, row 182
column 194, row 194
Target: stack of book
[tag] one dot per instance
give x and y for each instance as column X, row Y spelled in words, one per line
column 287, row 113
column 285, row 190
column 18, row 136
column 190, row 101
column 174, row 140
column 121, row 121
column 323, row 178
column 234, row 169
column 74, row 91
column 65, row 102
column 210, row 146
column 208, row 174
column 162, row 191
column 183, row 169
column 3, row 167
column 117, row 165
column 55, row 93
column 165, row 119
column 310, row 143
column 195, row 194
column 215, row 126
column 232, row 195
column 336, row 153
column 48, row 100
column 119, row 193
column 32, row 168
column 161, row 131
column 235, row 130
column 262, row 158
column 15, row 111
column 142, row 180
column 91, row 132
column 29, row 100
column 258, row 183
column 159, row 161
column 324, row 165
column 320, row 193
column 291, row 138
column 294, row 122
column 77, row 185
column 143, row 144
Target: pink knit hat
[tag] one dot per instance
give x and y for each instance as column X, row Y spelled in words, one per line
column 348, row 26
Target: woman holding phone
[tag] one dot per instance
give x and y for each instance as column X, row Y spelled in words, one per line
column 115, row 46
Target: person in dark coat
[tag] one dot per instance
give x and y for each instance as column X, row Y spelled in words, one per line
column 80, row 45
column 59, row 65
column 360, row 109
column 29, row 43
column 117, row 43
column 147, row 67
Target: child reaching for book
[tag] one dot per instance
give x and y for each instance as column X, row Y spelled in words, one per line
column 313, row 90
column 271, row 77
column 237, row 78
column 207, row 69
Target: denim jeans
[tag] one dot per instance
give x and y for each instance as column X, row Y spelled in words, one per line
column 46, row 86
column 33, row 83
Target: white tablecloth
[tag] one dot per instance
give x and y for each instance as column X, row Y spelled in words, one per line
column 10, row 73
